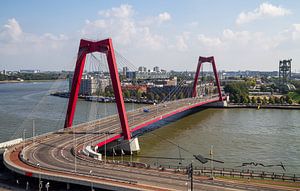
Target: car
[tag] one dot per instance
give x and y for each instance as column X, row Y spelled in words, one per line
column 146, row 110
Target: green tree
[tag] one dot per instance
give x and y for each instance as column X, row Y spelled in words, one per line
column 277, row 100
column 138, row 94
column 258, row 100
column 253, row 100
column 264, row 101
column 181, row 95
column 150, row 96
column 127, row 93
column 271, row 100
column 282, row 100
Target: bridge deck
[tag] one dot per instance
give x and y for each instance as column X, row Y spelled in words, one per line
column 54, row 152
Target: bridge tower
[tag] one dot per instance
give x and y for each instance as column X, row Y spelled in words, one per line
column 200, row 62
column 106, row 47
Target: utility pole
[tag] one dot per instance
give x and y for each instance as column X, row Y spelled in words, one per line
column 190, row 174
column 24, row 138
column 211, row 160
column 105, row 148
column 33, row 131
column 75, row 152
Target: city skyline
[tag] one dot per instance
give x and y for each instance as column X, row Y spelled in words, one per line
column 252, row 35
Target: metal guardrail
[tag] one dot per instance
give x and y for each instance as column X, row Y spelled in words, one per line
column 229, row 172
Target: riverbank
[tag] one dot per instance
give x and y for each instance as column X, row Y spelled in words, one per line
column 230, row 105
column 103, row 99
column 28, row 81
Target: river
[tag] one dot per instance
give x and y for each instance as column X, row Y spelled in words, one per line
column 236, row 135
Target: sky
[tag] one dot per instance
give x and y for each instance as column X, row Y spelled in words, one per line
column 241, row 35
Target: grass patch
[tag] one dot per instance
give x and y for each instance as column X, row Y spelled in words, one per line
column 294, row 96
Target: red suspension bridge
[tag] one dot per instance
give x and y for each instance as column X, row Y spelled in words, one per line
column 69, row 155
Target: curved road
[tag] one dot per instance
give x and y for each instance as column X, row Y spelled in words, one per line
column 52, row 157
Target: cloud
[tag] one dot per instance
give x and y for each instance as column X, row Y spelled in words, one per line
column 14, row 40
column 264, row 10
column 181, row 41
column 209, row 41
column 11, row 31
column 124, row 11
column 163, row 17
column 120, row 24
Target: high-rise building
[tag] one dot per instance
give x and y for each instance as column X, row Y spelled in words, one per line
column 125, row 70
column 156, row 69
column 142, row 69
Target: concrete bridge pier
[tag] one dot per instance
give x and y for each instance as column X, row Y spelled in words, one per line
column 127, row 146
column 218, row 104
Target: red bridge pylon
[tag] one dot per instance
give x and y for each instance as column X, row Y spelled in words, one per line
column 106, row 47
column 200, row 62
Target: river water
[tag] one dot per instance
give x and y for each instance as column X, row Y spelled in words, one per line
column 236, row 135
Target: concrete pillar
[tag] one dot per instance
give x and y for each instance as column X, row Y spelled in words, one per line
column 127, row 146
column 131, row 145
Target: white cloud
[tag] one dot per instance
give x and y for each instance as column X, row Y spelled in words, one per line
column 124, row 11
column 209, row 41
column 14, row 40
column 296, row 31
column 263, row 11
column 163, row 17
column 181, row 41
column 11, row 31
column 120, row 24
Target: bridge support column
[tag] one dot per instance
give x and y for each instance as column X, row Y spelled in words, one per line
column 131, row 145
column 218, row 104
column 127, row 146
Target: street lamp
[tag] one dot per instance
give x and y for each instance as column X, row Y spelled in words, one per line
column 24, row 138
column 105, row 148
column 47, row 186
column 211, row 160
column 92, row 189
column 114, row 152
column 40, row 182
column 75, row 152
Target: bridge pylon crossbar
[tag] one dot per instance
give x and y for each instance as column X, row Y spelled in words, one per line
column 200, row 62
column 106, row 47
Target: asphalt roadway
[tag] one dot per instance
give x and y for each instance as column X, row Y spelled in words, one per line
column 53, row 154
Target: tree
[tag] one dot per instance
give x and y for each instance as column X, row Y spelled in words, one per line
column 258, row 100
column 253, row 100
column 277, row 100
column 264, row 101
column 282, row 99
column 237, row 92
column 157, row 97
column 287, row 98
column 138, row 94
column 271, row 100
column 181, row 96
column 150, row 96
column 127, row 93
column 263, row 88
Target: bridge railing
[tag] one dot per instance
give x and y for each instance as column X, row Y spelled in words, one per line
column 235, row 173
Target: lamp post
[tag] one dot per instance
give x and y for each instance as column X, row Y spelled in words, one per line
column 211, row 161
column 113, row 150
column 47, row 186
column 40, row 182
column 92, row 184
column 24, row 138
column 105, row 148
column 33, row 131
column 75, row 152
